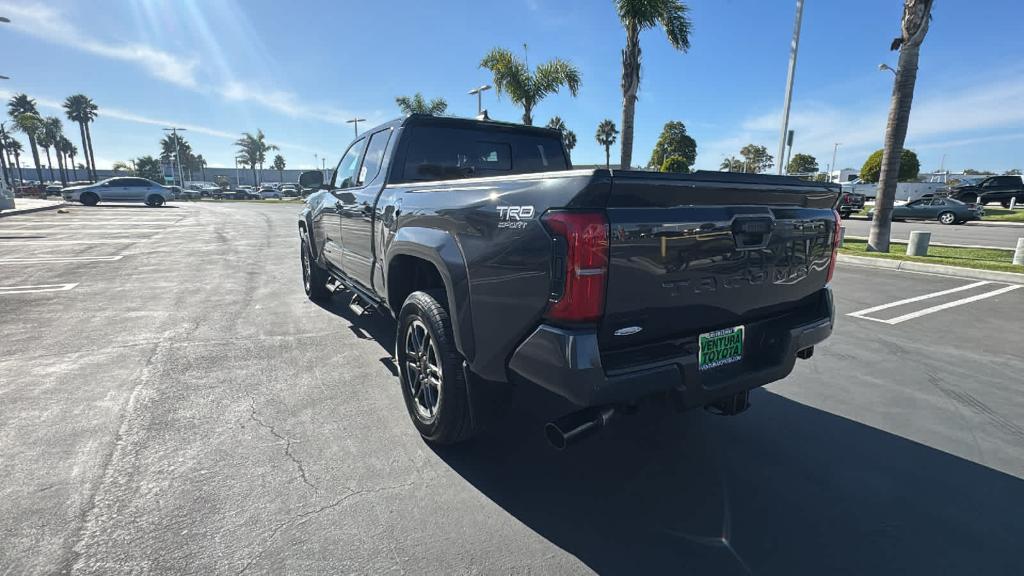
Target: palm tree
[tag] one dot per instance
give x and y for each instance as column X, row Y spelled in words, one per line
column 512, row 76
column 279, row 166
column 81, row 109
column 53, row 131
column 637, row 16
column 914, row 25
column 65, row 146
column 5, row 156
column 731, row 164
column 72, row 152
column 200, row 162
column 418, row 105
column 568, row 136
column 252, row 151
column 121, row 166
column 606, row 132
column 15, row 147
column 174, row 148
column 23, row 111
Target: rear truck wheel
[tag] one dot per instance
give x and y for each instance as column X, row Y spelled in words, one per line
column 947, row 218
column 845, row 214
column 430, row 371
column 870, row 216
column 1005, row 204
column 89, row 198
column 968, row 198
column 314, row 278
column 155, row 200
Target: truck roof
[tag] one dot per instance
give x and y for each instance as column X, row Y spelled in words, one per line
column 453, row 121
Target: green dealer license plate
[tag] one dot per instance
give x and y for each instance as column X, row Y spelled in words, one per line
column 720, row 348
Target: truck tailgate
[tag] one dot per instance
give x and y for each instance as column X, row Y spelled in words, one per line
column 695, row 253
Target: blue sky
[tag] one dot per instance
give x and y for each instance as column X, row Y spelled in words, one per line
column 298, row 69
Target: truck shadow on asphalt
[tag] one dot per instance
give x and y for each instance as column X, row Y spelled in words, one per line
column 782, row 489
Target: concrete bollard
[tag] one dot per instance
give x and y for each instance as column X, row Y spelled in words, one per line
column 918, row 244
column 1013, row 203
column 1018, row 254
column 842, row 235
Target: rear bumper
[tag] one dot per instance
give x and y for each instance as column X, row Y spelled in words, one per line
column 569, row 363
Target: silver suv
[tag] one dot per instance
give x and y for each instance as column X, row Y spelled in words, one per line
column 123, row 189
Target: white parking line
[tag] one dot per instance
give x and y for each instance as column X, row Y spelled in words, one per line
column 932, row 309
column 960, row 302
column 55, row 259
column 90, row 230
column 120, row 241
column 861, row 313
column 4, row 290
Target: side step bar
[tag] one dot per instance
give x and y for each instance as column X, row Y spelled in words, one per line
column 361, row 303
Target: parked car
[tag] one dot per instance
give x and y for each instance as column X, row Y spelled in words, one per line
column 849, row 203
column 185, row 193
column 120, row 189
column 905, row 191
column 53, row 189
column 267, row 193
column 945, row 210
column 999, row 189
column 290, row 191
column 502, row 264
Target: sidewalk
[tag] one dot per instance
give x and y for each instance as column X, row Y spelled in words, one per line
column 28, row 205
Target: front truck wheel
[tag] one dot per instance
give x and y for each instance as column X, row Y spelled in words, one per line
column 314, row 278
column 430, row 370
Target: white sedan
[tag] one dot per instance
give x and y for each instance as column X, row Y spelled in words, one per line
column 122, row 189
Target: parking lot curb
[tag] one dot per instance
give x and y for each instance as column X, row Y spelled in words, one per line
column 972, row 273
column 994, row 223
column 18, row 211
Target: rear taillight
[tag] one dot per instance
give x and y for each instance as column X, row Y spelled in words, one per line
column 835, row 244
column 580, row 265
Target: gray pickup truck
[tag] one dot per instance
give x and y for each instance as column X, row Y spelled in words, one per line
column 503, row 265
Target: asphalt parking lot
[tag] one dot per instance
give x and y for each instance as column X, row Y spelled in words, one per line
column 170, row 402
column 971, row 234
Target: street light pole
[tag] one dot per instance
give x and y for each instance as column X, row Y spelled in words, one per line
column 793, row 46
column 834, row 148
column 355, row 124
column 479, row 97
column 177, row 155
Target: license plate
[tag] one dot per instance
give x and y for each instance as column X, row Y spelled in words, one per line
column 720, row 347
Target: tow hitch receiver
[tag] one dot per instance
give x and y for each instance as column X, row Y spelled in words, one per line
column 730, row 406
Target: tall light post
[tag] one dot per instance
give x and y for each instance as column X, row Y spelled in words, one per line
column 794, row 44
column 355, row 124
column 834, row 148
column 177, row 155
column 5, row 20
column 479, row 91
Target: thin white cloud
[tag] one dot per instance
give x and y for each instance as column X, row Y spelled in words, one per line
column 50, row 25
column 286, row 103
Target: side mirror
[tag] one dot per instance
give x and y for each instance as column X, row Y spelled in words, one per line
column 311, row 179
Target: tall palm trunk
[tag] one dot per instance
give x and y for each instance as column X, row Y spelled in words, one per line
column 528, row 114
column 85, row 151
column 60, row 167
column 204, row 173
column 35, row 157
column 49, row 163
column 74, row 169
column 899, row 118
column 3, row 159
column 630, row 86
column 608, row 157
column 17, row 162
column 92, row 155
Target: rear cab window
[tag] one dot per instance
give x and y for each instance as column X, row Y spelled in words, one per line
column 445, row 153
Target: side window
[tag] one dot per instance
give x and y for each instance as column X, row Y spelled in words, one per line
column 374, row 156
column 345, row 175
column 988, row 183
column 1006, row 181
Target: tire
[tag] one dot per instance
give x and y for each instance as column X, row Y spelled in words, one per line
column 154, row 201
column 1005, row 204
column 968, row 198
column 430, row 371
column 947, row 218
column 870, row 216
column 314, row 278
column 89, row 199
column 845, row 215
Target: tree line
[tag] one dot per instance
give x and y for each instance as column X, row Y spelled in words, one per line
column 47, row 133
